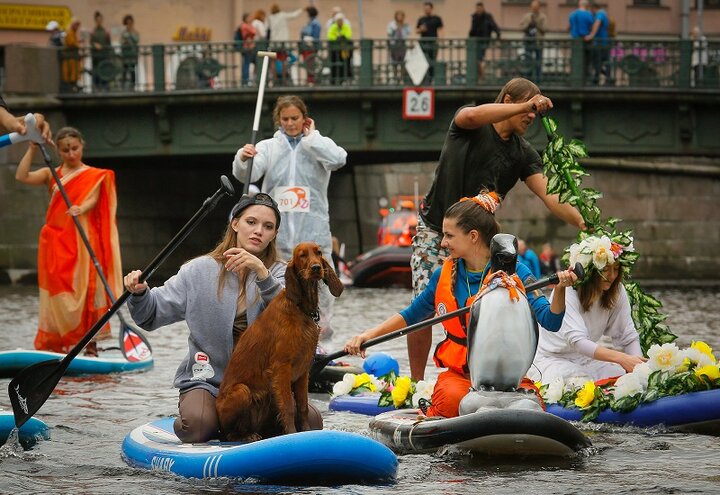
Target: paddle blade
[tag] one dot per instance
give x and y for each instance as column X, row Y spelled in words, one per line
column 32, row 386
column 135, row 346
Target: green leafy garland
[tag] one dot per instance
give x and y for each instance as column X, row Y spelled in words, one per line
column 564, row 173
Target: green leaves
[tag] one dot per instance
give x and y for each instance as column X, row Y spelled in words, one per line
column 565, row 173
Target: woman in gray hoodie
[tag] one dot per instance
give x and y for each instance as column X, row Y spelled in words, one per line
column 219, row 295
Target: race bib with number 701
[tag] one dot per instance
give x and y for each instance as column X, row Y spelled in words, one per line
column 292, row 198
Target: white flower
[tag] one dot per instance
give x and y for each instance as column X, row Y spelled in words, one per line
column 697, row 357
column 580, row 254
column 631, row 245
column 601, row 249
column 555, row 390
column 423, row 390
column 345, row 386
column 378, row 383
column 642, row 371
column 626, row 385
column 665, row 357
column 575, row 383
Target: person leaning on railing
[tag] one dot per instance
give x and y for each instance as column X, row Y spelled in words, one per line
column 340, row 39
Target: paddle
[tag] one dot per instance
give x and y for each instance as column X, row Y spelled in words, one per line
column 322, row 361
column 258, row 107
column 130, row 335
column 32, row 386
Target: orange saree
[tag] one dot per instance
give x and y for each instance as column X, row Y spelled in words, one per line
column 72, row 296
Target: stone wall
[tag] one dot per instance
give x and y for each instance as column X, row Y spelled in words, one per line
column 672, row 206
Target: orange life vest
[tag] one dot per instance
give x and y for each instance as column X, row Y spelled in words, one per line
column 451, row 353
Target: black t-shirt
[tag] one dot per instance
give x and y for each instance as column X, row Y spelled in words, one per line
column 476, row 159
column 432, row 24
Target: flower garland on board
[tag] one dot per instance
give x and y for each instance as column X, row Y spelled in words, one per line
column 564, row 173
column 399, row 391
column 668, row 371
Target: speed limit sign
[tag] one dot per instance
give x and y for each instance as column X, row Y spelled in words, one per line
column 418, row 103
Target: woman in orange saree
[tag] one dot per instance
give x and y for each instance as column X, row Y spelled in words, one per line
column 72, row 297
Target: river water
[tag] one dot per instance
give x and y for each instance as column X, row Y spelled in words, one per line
column 90, row 416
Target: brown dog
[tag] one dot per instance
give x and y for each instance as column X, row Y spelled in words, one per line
column 270, row 365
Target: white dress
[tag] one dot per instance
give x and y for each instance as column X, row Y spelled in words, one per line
column 568, row 353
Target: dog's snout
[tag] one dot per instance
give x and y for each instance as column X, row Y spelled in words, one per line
column 316, row 268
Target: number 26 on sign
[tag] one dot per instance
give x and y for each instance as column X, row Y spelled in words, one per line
column 418, row 103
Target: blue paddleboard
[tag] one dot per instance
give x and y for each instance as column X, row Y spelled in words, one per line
column 32, row 431
column 11, row 362
column 313, row 457
column 361, row 404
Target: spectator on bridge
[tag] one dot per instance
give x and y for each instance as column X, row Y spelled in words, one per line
column 56, row 34
column 100, row 53
column 398, row 32
column 296, row 164
column 335, row 11
column 245, row 42
column 71, row 66
column 279, row 35
column 581, row 22
column 484, row 149
column 534, row 26
column 482, row 27
column 600, row 49
column 72, row 297
column 341, row 47
column 429, row 27
column 129, row 47
column 527, row 257
column 310, row 43
column 699, row 58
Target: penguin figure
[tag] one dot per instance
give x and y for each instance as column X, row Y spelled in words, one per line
column 502, row 336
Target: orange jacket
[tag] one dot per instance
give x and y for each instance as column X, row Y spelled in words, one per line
column 451, row 353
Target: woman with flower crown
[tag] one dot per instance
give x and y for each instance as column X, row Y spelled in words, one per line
column 468, row 227
column 598, row 307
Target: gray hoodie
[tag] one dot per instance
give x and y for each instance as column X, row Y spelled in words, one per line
column 192, row 295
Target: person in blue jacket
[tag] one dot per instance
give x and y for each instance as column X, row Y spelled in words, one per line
column 527, row 257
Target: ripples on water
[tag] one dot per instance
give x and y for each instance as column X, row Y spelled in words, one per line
column 90, row 416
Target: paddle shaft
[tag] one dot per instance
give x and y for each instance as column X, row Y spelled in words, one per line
column 321, row 363
column 33, row 385
column 258, row 108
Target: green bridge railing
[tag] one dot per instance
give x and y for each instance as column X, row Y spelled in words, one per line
column 369, row 63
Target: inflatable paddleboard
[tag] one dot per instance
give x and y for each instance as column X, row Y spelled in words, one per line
column 11, row 362
column 32, row 431
column 316, row 457
column 696, row 412
column 491, row 431
column 361, row 404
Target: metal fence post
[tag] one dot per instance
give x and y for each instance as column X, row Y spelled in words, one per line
column 471, row 66
column 685, row 63
column 158, row 54
column 577, row 63
column 366, row 63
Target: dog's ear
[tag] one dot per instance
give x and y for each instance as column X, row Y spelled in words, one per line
column 293, row 290
column 331, row 279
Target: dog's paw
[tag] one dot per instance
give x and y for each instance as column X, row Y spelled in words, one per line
column 252, row 437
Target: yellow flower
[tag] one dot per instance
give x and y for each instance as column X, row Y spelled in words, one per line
column 704, row 348
column 401, row 390
column 361, row 380
column 710, row 371
column 538, row 385
column 586, row 395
